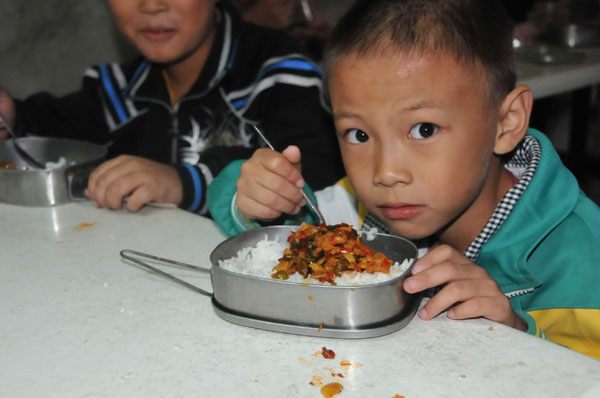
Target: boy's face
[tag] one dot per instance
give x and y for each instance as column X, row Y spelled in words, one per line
column 165, row 31
column 416, row 135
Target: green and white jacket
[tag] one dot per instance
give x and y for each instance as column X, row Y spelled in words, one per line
column 541, row 245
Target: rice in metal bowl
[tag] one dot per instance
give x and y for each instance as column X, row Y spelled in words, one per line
column 260, row 259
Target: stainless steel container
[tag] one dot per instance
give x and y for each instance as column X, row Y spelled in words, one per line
column 47, row 187
column 574, row 35
column 307, row 309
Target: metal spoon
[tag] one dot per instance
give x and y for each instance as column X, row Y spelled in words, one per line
column 311, row 203
column 22, row 152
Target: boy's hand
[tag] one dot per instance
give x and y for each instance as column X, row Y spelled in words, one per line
column 468, row 290
column 143, row 179
column 270, row 183
column 7, row 108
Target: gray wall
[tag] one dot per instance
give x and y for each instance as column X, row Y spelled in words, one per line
column 46, row 45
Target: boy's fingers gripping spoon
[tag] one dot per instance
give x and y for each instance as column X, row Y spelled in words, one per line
column 311, row 203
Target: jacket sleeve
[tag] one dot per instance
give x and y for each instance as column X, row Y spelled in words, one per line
column 77, row 115
column 532, row 327
column 221, row 198
column 195, row 179
column 566, row 308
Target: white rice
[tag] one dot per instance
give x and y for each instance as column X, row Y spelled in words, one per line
column 369, row 234
column 260, row 260
column 56, row 165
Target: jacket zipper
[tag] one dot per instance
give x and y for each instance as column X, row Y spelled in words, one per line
column 174, row 133
column 519, row 292
column 174, row 129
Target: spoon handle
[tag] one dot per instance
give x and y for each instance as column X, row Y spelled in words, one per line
column 311, row 203
column 22, row 152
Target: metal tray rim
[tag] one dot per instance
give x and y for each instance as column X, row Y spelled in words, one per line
column 361, row 333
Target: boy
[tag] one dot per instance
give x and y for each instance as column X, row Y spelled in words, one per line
column 435, row 142
column 182, row 111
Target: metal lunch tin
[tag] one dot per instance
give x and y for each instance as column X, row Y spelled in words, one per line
column 301, row 308
column 28, row 186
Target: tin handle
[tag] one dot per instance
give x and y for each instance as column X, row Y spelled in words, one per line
column 129, row 254
column 77, row 180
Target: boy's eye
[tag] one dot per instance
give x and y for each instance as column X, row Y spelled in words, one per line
column 356, row 136
column 423, row 130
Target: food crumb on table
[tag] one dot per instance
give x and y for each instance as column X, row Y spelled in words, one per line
column 331, row 389
column 84, row 225
column 327, row 353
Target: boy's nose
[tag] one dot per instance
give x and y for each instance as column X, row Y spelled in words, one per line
column 391, row 168
column 153, row 6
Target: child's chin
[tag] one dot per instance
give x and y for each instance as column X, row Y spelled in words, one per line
column 407, row 232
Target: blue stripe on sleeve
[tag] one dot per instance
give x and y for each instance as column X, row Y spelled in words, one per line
column 297, row 64
column 240, row 103
column 197, row 187
column 111, row 93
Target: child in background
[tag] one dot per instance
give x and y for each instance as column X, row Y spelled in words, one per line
column 300, row 18
column 435, row 142
column 182, row 111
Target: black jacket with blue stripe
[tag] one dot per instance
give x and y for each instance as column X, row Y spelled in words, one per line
column 253, row 75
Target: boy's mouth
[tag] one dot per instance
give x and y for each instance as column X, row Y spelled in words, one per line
column 158, row 33
column 400, row 211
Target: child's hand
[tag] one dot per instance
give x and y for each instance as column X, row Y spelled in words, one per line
column 468, row 290
column 7, row 108
column 270, row 184
column 143, row 179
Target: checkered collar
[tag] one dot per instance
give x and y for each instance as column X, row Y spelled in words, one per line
column 522, row 165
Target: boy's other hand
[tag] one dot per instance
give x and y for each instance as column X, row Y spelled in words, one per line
column 270, row 183
column 468, row 290
column 7, row 108
column 143, row 179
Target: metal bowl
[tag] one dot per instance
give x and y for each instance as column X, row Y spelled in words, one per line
column 47, row 187
column 574, row 35
column 309, row 309
column 549, row 55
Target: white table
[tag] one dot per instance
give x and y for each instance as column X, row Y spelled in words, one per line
column 77, row 321
column 549, row 80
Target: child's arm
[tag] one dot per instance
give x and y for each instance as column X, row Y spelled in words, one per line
column 142, row 179
column 223, row 192
column 467, row 289
column 269, row 184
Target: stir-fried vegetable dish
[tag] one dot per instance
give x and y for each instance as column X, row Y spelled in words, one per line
column 326, row 251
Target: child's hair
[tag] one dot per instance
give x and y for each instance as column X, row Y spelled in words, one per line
column 472, row 31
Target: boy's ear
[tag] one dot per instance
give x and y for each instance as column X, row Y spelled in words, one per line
column 513, row 119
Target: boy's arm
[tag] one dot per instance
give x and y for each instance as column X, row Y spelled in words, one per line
column 221, row 201
column 565, row 309
column 195, row 179
column 77, row 115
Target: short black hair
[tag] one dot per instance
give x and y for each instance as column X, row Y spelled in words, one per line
column 472, row 31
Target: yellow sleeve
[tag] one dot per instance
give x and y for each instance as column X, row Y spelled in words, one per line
column 576, row 328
